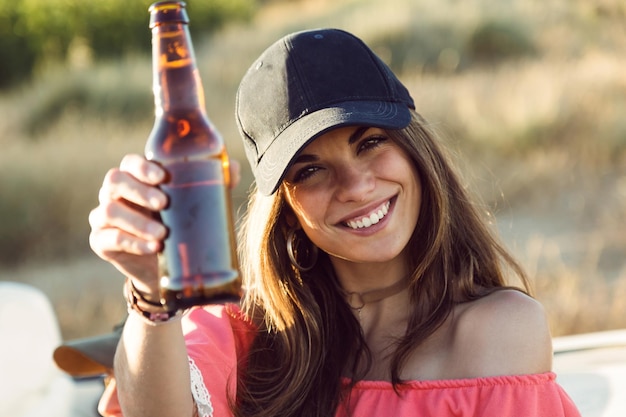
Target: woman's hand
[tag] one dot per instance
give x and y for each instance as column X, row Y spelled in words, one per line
column 124, row 228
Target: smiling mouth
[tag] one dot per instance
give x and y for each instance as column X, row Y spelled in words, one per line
column 374, row 217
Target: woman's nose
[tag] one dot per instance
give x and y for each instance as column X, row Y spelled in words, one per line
column 353, row 183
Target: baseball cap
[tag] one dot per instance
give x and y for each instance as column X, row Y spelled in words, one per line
column 306, row 84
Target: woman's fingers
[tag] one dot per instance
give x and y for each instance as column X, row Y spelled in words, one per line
column 120, row 185
column 114, row 214
column 143, row 170
column 106, row 242
column 124, row 220
column 127, row 239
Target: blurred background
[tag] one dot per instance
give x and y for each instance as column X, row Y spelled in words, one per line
column 529, row 95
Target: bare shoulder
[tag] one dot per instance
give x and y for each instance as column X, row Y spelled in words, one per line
column 504, row 333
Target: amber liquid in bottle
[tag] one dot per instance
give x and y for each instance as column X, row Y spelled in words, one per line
column 198, row 264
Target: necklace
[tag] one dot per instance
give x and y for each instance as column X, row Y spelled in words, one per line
column 358, row 300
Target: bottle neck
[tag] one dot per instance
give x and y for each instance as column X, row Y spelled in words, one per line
column 176, row 81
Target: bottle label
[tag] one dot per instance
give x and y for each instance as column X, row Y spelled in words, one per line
column 174, row 51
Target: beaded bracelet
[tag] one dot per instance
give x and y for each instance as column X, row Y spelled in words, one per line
column 153, row 313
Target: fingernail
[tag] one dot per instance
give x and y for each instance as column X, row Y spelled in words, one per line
column 156, row 200
column 154, row 246
column 155, row 175
column 156, row 229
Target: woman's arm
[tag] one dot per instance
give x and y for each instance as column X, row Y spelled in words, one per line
column 151, row 363
column 152, row 370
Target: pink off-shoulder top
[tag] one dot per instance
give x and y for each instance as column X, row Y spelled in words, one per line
column 215, row 334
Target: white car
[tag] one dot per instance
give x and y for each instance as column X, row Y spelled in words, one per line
column 591, row 367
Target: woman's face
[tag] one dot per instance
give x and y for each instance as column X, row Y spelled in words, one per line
column 356, row 194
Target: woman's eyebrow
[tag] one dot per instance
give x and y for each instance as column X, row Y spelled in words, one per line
column 304, row 158
column 356, row 135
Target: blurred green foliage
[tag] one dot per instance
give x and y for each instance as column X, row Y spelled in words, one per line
column 33, row 32
column 497, row 40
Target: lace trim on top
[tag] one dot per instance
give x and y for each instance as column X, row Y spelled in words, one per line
column 200, row 394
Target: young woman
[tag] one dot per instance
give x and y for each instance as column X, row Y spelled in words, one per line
column 373, row 284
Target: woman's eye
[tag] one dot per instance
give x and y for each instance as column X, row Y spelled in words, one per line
column 370, row 143
column 305, row 173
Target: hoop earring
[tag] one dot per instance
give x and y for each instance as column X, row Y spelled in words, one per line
column 292, row 251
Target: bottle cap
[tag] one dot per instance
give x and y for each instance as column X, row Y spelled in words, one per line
column 168, row 12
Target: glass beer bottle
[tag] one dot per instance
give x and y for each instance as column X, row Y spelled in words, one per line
column 198, row 264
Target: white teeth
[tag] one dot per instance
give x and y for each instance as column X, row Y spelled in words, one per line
column 367, row 221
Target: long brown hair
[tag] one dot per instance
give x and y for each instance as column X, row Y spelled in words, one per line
column 308, row 337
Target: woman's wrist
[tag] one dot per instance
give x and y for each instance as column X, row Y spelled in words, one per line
column 154, row 313
column 155, row 320
column 145, row 291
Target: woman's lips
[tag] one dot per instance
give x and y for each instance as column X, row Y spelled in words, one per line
column 369, row 219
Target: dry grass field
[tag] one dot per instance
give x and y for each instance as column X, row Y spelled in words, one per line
column 530, row 96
